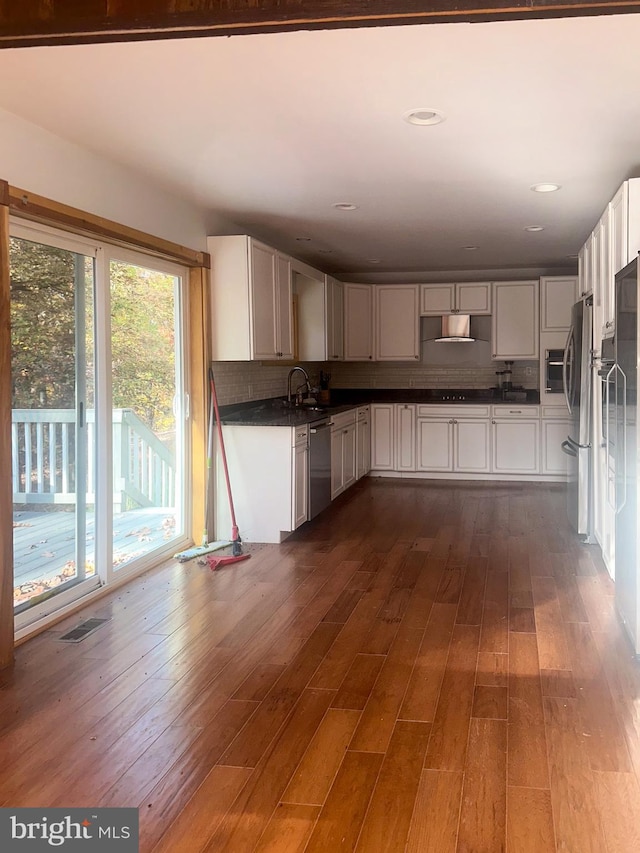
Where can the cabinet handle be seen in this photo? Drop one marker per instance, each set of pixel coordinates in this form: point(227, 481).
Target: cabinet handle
point(455, 422)
point(345, 431)
point(370, 356)
point(451, 422)
point(515, 411)
point(493, 422)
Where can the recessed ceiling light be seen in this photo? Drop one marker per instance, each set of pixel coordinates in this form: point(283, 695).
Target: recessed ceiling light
point(374, 260)
point(470, 248)
point(345, 205)
point(325, 251)
point(534, 228)
point(424, 116)
point(545, 188)
point(303, 239)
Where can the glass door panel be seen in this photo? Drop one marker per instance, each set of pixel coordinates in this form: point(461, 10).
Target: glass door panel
point(147, 416)
point(52, 341)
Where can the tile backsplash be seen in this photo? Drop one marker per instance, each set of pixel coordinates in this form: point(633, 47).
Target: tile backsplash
point(243, 381)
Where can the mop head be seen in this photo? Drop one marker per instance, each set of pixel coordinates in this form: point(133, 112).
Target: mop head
point(200, 551)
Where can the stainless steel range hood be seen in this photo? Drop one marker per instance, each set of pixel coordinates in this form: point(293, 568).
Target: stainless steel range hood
point(455, 329)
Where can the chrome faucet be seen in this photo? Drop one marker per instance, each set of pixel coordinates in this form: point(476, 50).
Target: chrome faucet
point(306, 377)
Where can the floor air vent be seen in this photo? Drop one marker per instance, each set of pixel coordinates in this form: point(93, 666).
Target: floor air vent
point(75, 635)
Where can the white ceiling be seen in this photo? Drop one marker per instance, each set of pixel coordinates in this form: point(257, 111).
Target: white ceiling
point(270, 130)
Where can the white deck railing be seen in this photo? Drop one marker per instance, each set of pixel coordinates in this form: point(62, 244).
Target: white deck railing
point(43, 446)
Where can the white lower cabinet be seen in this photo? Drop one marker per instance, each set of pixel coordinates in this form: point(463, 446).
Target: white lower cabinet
point(435, 444)
point(268, 472)
point(453, 444)
point(405, 445)
point(515, 446)
point(343, 452)
point(382, 437)
point(554, 459)
point(363, 441)
point(300, 466)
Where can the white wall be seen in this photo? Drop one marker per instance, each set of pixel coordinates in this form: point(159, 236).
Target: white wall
point(34, 159)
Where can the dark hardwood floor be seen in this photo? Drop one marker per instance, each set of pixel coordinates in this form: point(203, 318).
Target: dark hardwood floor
point(427, 667)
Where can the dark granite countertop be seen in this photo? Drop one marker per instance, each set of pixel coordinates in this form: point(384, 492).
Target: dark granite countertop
point(273, 412)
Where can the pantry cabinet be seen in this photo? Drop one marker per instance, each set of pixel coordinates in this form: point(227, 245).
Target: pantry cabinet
point(251, 300)
point(515, 320)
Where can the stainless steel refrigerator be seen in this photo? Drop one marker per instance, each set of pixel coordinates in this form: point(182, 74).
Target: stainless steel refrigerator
point(622, 448)
point(576, 380)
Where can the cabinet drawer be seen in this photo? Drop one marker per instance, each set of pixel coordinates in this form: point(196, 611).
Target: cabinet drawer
point(515, 412)
point(554, 412)
point(300, 435)
point(440, 410)
point(343, 419)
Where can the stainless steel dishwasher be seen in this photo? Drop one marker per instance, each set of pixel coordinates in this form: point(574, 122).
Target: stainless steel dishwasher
point(319, 466)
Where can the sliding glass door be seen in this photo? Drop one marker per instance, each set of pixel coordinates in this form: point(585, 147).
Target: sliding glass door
point(147, 410)
point(53, 458)
point(99, 450)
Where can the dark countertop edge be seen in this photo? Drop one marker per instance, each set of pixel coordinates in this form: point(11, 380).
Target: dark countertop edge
point(269, 412)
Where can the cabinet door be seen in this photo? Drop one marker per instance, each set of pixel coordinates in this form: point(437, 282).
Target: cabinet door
point(515, 446)
point(515, 320)
point(472, 446)
point(405, 437)
point(382, 437)
point(284, 310)
point(300, 485)
point(397, 323)
point(554, 460)
point(619, 212)
point(358, 322)
point(557, 297)
point(474, 298)
point(348, 456)
point(435, 444)
point(363, 444)
point(335, 319)
point(263, 301)
point(337, 477)
point(437, 299)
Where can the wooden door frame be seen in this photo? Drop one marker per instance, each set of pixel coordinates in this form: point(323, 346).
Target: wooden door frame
point(37, 208)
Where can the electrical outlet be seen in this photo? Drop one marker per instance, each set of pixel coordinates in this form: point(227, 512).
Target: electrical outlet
point(528, 371)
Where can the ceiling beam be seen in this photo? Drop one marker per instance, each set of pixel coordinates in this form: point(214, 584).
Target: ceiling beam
point(43, 22)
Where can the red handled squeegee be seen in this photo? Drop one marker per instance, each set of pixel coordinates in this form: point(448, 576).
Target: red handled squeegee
point(236, 542)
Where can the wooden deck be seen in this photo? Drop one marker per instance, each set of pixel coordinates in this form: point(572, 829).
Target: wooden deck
point(43, 542)
point(429, 667)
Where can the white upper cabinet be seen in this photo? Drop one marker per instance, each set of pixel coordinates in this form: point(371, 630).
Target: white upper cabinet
point(358, 322)
point(557, 296)
point(625, 224)
point(397, 322)
point(251, 311)
point(335, 319)
point(515, 320)
point(459, 297)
